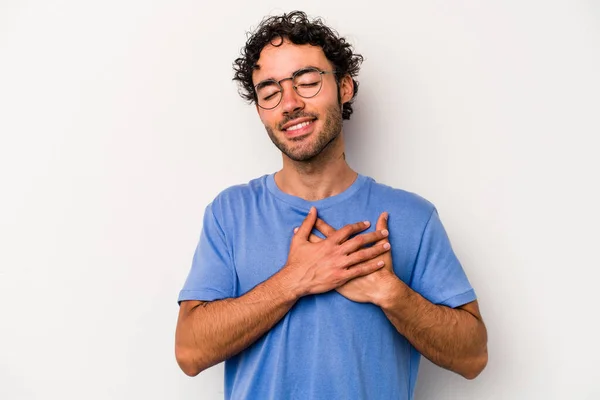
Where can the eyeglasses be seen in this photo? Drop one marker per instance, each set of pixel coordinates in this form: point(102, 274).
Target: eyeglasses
point(307, 82)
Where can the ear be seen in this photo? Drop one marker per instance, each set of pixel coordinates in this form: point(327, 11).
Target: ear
point(346, 89)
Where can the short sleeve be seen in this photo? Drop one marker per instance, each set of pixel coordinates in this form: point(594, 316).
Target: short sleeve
point(211, 276)
point(438, 275)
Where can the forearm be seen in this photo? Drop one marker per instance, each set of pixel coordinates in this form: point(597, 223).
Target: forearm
point(211, 332)
point(454, 339)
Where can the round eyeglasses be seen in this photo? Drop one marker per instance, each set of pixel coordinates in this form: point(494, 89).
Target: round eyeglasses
point(307, 82)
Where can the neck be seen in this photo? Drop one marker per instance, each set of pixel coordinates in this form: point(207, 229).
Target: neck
point(324, 176)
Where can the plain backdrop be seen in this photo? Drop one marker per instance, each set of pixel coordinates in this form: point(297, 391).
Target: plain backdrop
point(119, 122)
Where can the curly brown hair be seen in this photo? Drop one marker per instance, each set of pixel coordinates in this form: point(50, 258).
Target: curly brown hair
point(297, 28)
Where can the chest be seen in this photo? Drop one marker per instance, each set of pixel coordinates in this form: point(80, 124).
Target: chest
point(261, 245)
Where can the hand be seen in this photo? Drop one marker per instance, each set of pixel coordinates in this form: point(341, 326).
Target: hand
point(318, 267)
point(372, 287)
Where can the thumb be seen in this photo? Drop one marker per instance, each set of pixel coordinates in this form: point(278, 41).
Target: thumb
point(306, 228)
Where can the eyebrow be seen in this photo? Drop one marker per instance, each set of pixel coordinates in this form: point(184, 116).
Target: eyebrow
point(271, 79)
point(266, 82)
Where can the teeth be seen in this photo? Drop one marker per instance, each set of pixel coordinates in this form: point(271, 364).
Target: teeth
point(298, 126)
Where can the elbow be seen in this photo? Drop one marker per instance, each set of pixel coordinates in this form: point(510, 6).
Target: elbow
point(186, 362)
point(477, 361)
point(475, 366)
point(189, 370)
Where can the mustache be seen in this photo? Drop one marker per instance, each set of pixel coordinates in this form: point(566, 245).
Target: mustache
point(293, 116)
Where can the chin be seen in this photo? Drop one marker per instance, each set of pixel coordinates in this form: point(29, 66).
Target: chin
point(305, 153)
point(300, 155)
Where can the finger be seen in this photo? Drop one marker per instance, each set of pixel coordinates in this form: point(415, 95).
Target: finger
point(382, 221)
point(364, 268)
point(359, 241)
point(312, 238)
point(323, 227)
point(344, 233)
point(366, 254)
point(307, 225)
point(382, 224)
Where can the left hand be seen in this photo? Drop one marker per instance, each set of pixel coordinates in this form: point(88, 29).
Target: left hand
point(374, 286)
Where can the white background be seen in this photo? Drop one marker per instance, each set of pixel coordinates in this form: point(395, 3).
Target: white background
point(119, 122)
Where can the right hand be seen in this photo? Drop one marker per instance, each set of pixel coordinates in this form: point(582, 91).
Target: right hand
point(328, 264)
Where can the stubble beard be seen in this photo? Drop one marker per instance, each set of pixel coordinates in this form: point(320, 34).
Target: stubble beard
point(331, 130)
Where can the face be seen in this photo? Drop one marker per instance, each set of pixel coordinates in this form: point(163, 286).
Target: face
point(301, 127)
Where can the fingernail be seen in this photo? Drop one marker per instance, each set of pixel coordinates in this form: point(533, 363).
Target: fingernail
point(385, 216)
point(367, 223)
point(295, 230)
point(386, 246)
point(384, 232)
point(380, 263)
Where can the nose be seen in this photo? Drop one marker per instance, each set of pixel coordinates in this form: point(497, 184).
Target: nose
point(290, 102)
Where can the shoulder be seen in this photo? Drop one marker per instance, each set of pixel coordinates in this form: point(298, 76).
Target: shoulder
point(248, 190)
point(401, 201)
point(236, 198)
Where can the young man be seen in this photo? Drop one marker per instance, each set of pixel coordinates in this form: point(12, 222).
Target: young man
point(316, 282)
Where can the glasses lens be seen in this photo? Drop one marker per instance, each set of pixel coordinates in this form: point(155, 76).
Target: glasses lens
point(307, 82)
point(268, 94)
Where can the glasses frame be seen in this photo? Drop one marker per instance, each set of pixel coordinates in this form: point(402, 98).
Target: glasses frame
point(291, 78)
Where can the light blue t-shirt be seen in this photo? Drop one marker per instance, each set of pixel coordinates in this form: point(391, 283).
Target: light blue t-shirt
point(326, 346)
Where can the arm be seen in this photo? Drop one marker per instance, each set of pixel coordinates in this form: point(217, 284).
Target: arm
point(453, 338)
point(210, 332)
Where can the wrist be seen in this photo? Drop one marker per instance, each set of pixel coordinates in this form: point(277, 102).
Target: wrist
point(289, 285)
point(393, 293)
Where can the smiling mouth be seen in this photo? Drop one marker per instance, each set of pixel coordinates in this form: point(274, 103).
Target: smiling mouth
point(298, 126)
point(298, 121)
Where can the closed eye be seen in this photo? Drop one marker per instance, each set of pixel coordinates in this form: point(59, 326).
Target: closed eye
point(308, 84)
point(272, 95)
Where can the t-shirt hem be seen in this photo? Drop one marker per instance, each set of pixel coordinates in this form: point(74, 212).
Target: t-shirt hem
point(460, 299)
point(202, 295)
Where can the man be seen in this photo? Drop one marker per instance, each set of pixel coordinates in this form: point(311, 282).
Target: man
point(294, 283)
